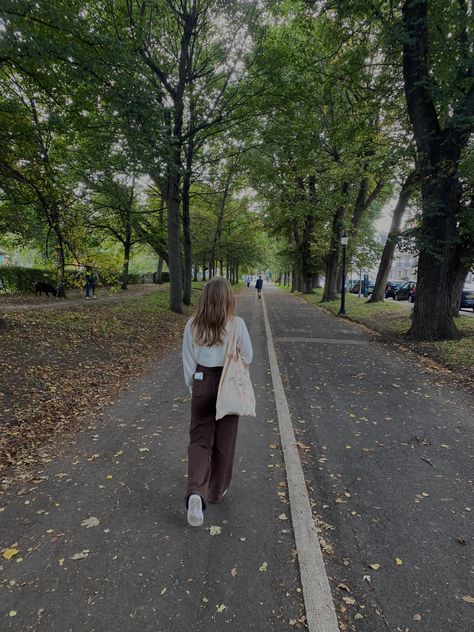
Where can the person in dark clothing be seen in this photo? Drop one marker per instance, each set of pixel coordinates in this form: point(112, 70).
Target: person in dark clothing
point(90, 284)
point(259, 285)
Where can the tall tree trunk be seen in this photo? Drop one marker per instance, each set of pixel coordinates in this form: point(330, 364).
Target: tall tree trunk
point(332, 261)
point(159, 271)
point(174, 245)
point(236, 272)
point(456, 290)
point(60, 254)
point(306, 263)
point(386, 260)
point(203, 269)
point(126, 263)
point(195, 276)
point(441, 258)
point(186, 221)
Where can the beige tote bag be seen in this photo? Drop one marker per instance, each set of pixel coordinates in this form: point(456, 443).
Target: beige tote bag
point(235, 395)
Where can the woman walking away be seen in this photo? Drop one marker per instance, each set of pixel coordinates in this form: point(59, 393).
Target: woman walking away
point(259, 285)
point(211, 443)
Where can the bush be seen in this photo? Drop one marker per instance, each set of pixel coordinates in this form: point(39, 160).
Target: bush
point(14, 279)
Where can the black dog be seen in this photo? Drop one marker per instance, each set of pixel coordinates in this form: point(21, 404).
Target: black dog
point(41, 286)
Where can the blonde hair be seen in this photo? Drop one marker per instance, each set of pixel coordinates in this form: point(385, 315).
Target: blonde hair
point(216, 306)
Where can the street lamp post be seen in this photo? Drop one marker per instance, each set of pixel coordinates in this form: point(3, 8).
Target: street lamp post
point(344, 240)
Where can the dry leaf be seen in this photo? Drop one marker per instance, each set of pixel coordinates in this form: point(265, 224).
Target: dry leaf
point(12, 613)
point(233, 572)
point(215, 530)
point(90, 522)
point(468, 599)
point(80, 556)
point(263, 567)
point(417, 617)
point(398, 561)
point(375, 566)
point(349, 601)
point(221, 608)
point(9, 553)
point(282, 517)
point(144, 449)
point(163, 591)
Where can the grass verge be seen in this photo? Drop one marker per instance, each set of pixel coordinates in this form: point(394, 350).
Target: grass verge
point(392, 321)
point(59, 366)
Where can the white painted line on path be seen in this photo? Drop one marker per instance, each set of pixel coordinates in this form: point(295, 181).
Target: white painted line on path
point(319, 606)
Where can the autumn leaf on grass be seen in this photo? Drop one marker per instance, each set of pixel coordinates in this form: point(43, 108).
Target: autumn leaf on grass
point(263, 567)
point(215, 530)
point(9, 553)
point(90, 522)
point(81, 556)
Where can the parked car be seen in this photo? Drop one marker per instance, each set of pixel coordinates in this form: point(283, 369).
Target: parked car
point(355, 288)
point(406, 292)
point(467, 297)
point(391, 288)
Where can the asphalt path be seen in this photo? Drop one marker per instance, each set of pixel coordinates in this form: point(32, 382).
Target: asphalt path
point(98, 539)
point(387, 453)
point(141, 568)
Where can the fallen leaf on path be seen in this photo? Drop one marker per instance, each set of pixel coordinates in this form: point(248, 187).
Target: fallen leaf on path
point(263, 567)
point(163, 591)
point(468, 599)
point(221, 608)
point(282, 517)
point(12, 613)
point(398, 561)
point(417, 617)
point(233, 572)
point(215, 530)
point(80, 556)
point(375, 566)
point(90, 522)
point(349, 601)
point(144, 449)
point(342, 586)
point(367, 578)
point(9, 553)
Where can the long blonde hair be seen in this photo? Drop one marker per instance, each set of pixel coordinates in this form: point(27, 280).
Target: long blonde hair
point(216, 306)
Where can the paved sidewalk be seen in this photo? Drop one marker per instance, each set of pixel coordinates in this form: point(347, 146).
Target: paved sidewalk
point(142, 568)
point(388, 456)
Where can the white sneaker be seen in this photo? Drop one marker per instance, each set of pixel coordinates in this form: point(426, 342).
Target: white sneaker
point(195, 517)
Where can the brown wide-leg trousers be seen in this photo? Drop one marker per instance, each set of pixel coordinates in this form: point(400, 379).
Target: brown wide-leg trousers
point(211, 443)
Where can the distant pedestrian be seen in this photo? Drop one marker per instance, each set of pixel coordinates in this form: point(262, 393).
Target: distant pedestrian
point(248, 281)
point(90, 284)
point(211, 442)
point(259, 285)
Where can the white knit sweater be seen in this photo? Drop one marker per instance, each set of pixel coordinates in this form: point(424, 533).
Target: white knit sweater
point(194, 354)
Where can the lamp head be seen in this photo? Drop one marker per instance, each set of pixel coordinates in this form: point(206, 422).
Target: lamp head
point(344, 239)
